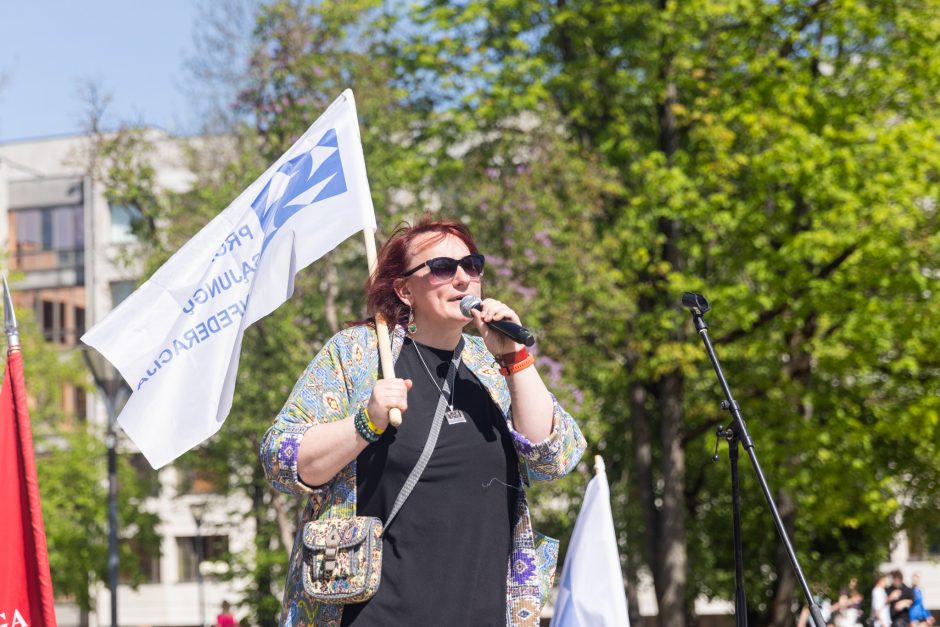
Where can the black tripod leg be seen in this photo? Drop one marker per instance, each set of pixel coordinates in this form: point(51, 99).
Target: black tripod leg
point(740, 600)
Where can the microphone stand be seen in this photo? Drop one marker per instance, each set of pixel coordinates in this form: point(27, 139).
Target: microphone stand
point(737, 433)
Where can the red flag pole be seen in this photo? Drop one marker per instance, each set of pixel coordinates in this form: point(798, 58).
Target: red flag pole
point(25, 581)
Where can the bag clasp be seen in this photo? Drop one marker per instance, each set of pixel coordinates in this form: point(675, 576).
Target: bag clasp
point(329, 554)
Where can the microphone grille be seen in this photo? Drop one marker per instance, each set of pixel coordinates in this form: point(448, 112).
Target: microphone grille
point(468, 303)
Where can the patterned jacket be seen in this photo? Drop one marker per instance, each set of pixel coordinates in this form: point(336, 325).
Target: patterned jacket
point(336, 383)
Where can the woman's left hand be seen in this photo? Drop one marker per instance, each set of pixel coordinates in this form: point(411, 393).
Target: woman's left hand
point(497, 343)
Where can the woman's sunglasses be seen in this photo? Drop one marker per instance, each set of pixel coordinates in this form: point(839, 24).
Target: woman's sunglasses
point(444, 268)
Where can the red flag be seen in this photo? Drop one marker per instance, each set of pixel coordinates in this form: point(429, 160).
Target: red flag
point(25, 582)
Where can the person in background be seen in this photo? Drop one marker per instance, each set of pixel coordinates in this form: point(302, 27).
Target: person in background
point(226, 618)
point(919, 615)
point(855, 598)
point(880, 611)
point(900, 598)
point(849, 606)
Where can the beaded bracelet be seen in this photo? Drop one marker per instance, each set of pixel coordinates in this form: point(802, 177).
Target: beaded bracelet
point(516, 367)
point(365, 427)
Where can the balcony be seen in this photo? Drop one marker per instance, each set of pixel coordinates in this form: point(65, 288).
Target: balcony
point(39, 260)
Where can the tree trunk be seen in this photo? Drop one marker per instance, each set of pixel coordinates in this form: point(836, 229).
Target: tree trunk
point(672, 545)
point(672, 528)
point(785, 587)
point(799, 370)
point(643, 455)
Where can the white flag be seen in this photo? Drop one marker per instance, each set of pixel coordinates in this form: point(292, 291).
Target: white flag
point(177, 339)
point(591, 592)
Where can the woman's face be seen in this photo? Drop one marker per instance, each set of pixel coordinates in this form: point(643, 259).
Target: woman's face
point(437, 301)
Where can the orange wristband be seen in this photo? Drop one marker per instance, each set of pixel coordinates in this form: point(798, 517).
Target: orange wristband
point(514, 357)
point(516, 367)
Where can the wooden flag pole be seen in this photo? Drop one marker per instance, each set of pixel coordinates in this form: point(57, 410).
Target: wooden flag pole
point(381, 329)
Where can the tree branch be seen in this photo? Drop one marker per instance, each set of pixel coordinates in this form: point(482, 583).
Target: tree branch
point(786, 49)
point(698, 430)
point(771, 314)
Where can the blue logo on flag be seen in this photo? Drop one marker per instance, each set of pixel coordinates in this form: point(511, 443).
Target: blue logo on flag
point(273, 212)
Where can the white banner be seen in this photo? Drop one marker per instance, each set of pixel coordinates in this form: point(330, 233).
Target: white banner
point(591, 592)
point(177, 339)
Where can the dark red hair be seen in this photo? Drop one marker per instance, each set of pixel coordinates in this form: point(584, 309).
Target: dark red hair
point(392, 262)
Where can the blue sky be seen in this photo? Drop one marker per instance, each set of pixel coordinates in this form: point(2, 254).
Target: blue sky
point(134, 50)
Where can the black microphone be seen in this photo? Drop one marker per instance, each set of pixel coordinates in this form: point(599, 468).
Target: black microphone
point(516, 333)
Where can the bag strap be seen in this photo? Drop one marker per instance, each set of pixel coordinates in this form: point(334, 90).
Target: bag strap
point(431, 442)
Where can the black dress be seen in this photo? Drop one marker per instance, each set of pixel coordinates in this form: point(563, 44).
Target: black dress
point(445, 556)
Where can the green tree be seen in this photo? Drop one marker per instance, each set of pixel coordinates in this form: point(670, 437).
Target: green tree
point(782, 158)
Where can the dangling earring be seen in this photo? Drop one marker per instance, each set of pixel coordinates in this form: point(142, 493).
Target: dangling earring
point(412, 327)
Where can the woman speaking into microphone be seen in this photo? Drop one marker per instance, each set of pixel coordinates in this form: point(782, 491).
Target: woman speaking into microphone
point(456, 545)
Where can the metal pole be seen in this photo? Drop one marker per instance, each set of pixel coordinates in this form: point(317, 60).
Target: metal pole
point(113, 556)
point(740, 599)
point(108, 382)
point(199, 581)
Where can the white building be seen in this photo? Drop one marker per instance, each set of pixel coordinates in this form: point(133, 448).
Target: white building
point(64, 246)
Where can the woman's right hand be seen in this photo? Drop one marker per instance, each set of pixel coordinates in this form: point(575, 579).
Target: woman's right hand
point(386, 394)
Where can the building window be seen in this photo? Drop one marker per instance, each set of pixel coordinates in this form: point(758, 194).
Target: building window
point(54, 324)
point(923, 536)
point(149, 564)
point(121, 290)
point(59, 312)
point(214, 551)
point(79, 322)
point(123, 218)
point(61, 331)
point(48, 238)
point(73, 405)
point(81, 404)
point(47, 319)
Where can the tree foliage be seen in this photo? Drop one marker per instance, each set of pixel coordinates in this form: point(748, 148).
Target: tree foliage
point(780, 157)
